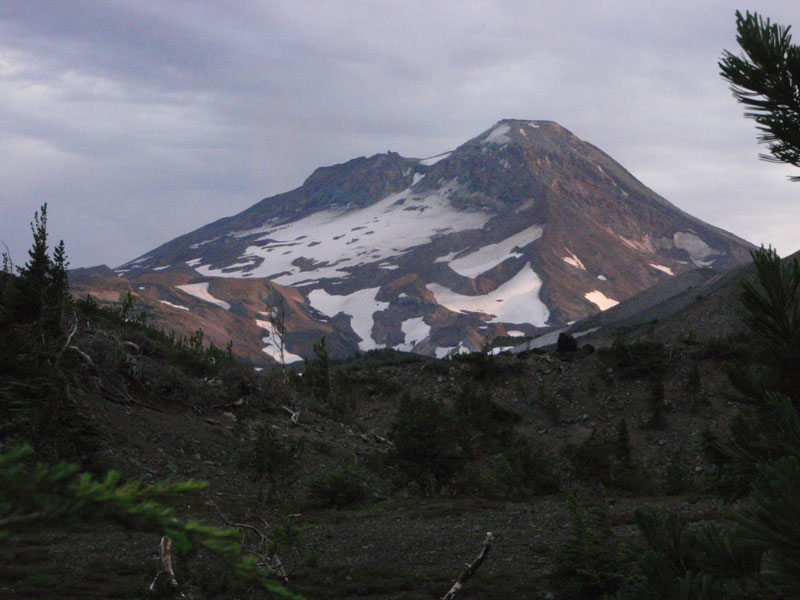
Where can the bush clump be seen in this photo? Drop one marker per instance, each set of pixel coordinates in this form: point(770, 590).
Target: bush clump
point(341, 488)
point(605, 459)
point(427, 443)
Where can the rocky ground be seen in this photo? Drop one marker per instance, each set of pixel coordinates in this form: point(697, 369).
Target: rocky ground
point(395, 543)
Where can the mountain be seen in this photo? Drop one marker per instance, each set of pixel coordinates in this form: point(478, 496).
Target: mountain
point(520, 230)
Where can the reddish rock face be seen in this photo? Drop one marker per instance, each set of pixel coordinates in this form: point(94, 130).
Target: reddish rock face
point(521, 229)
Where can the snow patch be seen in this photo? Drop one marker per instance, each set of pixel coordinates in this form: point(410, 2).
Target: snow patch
point(498, 135)
point(203, 243)
point(533, 124)
point(137, 261)
point(414, 331)
point(573, 260)
point(174, 305)
point(272, 349)
point(434, 159)
point(200, 290)
point(500, 349)
point(599, 299)
point(602, 278)
point(443, 351)
point(526, 205)
point(194, 262)
point(488, 257)
point(515, 333)
point(644, 246)
point(666, 270)
point(447, 257)
point(162, 268)
point(399, 222)
point(417, 178)
point(360, 306)
point(515, 301)
point(698, 251)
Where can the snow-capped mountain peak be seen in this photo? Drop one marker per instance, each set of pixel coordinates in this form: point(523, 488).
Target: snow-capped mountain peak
point(522, 228)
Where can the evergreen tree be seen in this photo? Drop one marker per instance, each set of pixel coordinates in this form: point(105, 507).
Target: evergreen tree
point(756, 553)
point(766, 79)
point(25, 300)
point(59, 495)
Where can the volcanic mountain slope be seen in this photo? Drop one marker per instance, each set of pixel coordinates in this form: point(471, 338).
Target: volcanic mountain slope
point(521, 229)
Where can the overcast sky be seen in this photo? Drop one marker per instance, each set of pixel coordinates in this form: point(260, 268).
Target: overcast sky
point(140, 121)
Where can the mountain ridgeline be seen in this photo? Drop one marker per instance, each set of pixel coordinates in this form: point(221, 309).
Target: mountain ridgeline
point(520, 230)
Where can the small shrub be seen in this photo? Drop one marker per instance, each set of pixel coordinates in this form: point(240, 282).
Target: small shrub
point(636, 360)
point(317, 374)
point(427, 443)
point(602, 459)
point(343, 487)
point(592, 560)
point(694, 381)
point(272, 462)
point(525, 470)
point(678, 479)
point(549, 403)
point(656, 419)
point(479, 414)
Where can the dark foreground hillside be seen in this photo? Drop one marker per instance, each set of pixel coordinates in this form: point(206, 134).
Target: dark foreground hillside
point(377, 477)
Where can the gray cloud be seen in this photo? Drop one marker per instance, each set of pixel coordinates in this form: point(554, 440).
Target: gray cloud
point(138, 122)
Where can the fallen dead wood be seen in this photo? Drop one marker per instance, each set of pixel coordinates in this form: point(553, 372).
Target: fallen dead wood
point(266, 558)
point(86, 358)
point(294, 415)
point(470, 570)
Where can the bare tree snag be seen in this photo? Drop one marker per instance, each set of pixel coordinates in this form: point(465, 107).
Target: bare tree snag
point(294, 416)
point(166, 564)
point(276, 315)
point(470, 570)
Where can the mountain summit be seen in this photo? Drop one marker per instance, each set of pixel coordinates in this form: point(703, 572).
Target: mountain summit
point(521, 229)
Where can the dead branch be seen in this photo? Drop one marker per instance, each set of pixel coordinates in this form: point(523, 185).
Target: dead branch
point(71, 333)
point(235, 404)
point(382, 440)
point(294, 415)
point(86, 358)
point(269, 560)
point(134, 347)
point(470, 570)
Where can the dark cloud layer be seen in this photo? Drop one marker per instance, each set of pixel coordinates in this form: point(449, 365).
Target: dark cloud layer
point(138, 122)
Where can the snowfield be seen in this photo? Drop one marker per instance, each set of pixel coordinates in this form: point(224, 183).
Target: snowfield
point(573, 260)
point(699, 252)
point(324, 244)
point(515, 301)
point(600, 300)
point(178, 306)
point(428, 162)
point(666, 270)
point(415, 330)
point(498, 135)
point(359, 306)
point(488, 257)
point(200, 290)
